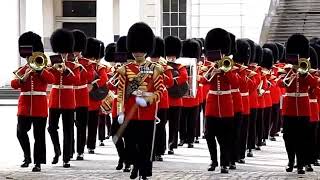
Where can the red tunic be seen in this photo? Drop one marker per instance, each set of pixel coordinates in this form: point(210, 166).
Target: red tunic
point(236, 96)
point(244, 85)
point(62, 95)
point(101, 71)
point(314, 106)
point(298, 104)
point(182, 78)
point(168, 82)
point(219, 101)
point(31, 104)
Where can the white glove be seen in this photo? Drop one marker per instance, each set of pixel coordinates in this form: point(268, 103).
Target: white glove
point(141, 102)
point(121, 118)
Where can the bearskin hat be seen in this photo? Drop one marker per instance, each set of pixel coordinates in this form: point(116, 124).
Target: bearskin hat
point(218, 39)
point(253, 50)
point(62, 41)
point(298, 44)
point(273, 47)
point(173, 46)
point(258, 54)
point(313, 58)
point(80, 40)
point(315, 43)
point(140, 38)
point(109, 52)
point(243, 52)
point(281, 51)
point(102, 49)
point(158, 49)
point(191, 49)
point(30, 39)
point(233, 43)
point(93, 48)
point(267, 58)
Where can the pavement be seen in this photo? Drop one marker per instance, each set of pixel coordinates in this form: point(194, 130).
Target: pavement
point(269, 163)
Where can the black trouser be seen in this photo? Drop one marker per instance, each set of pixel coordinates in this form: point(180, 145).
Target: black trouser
point(318, 141)
point(252, 129)
point(174, 119)
point(204, 117)
point(235, 136)
point(140, 134)
point(104, 120)
point(295, 135)
point(259, 127)
point(311, 139)
point(219, 128)
point(67, 123)
point(198, 122)
point(243, 136)
point(121, 144)
point(188, 124)
point(81, 124)
point(160, 141)
point(72, 150)
point(39, 134)
point(92, 129)
point(267, 122)
point(275, 118)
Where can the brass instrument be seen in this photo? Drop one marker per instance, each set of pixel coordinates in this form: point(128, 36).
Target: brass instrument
point(225, 64)
point(304, 65)
point(289, 78)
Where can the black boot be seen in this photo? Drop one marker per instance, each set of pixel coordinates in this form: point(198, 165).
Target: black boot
point(241, 161)
point(197, 140)
point(309, 168)
point(233, 166)
point(37, 168)
point(26, 163)
point(171, 151)
point(55, 159)
point(300, 170)
point(212, 167)
point(316, 163)
point(190, 145)
point(127, 168)
point(80, 157)
point(289, 168)
point(134, 173)
point(250, 154)
point(143, 178)
point(66, 164)
point(120, 165)
point(224, 169)
point(181, 143)
point(272, 138)
point(101, 143)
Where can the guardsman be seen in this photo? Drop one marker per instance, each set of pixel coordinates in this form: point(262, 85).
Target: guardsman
point(32, 80)
point(296, 106)
point(81, 91)
point(190, 49)
point(180, 76)
point(94, 52)
point(139, 91)
point(160, 140)
point(219, 104)
point(62, 96)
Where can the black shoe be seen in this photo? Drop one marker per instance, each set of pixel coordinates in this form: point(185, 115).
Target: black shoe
point(171, 151)
point(143, 178)
point(289, 168)
point(211, 168)
point(264, 143)
point(158, 158)
point(80, 157)
point(55, 159)
point(101, 143)
point(258, 148)
point(91, 151)
point(25, 163)
point(233, 167)
point(127, 168)
point(301, 171)
point(181, 143)
point(190, 145)
point(134, 173)
point(224, 169)
point(108, 137)
point(309, 168)
point(66, 165)
point(119, 166)
point(250, 154)
point(36, 168)
point(273, 138)
point(316, 163)
point(197, 141)
point(276, 134)
point(241, 161)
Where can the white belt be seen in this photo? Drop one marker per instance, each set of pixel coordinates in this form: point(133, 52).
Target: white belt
point(313, 100)
point(297, 94)
point(142, 93)
point(245, 94)
point(80, 87)
point(62, 86)
point(200, 85)
point(267, 92)
point(33, 93)
point(219, 92)
point(234, 90)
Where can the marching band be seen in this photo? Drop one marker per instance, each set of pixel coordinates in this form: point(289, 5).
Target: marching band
point(244, 93)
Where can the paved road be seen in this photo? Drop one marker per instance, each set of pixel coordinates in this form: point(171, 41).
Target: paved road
point(185, 164)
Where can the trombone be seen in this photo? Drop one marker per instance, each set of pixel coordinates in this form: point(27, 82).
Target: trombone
point(303, 67)
point(225, 64)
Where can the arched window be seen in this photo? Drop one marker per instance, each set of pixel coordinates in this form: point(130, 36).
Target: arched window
point(174, 19)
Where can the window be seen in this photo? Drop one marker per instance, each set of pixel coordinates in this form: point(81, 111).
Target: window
point(79, 15)
point(174, 19)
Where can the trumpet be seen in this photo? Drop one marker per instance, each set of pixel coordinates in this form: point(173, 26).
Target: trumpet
point(225, 64)
point(289, 78)
point(304, 66)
